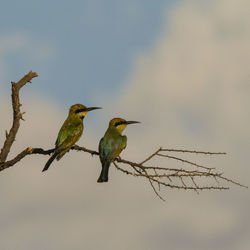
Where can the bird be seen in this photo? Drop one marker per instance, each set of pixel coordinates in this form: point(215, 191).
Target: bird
point(70, 132)
point(112, 144)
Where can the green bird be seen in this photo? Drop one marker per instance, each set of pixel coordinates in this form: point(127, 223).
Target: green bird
point(70, 131)
point(112, 144)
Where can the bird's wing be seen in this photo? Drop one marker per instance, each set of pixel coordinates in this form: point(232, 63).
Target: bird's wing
point(110, 148)
point(68, 135)
point(102, 151)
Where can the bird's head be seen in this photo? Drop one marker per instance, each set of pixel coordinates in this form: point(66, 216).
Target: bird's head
point(80, 110)
point(120, 124)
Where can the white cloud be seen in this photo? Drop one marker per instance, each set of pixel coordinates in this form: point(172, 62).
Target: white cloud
point(197, 74)
point(191, 91)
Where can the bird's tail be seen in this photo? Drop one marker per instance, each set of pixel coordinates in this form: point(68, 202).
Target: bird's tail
point(52, 158)
point(105, 172)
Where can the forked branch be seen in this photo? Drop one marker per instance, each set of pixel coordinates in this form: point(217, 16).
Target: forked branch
point(196, 177)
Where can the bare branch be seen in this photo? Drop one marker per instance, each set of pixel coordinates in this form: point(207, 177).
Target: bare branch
point(193, 151)
point(17, 114)
point(151, 156)
point(182, 160)
point(190, 178)
point(168, 173)
point(140, 170)
point(146, 175)
point(20, 156)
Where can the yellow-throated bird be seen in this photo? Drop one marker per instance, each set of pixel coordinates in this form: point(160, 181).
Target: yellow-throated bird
point(112, 144)
point(70, 131)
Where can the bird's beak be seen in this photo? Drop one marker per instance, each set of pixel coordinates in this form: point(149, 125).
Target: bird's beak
point(92, 108)
point(131, 122)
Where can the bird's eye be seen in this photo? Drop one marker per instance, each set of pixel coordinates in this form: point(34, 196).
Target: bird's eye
point(79, 111)
point(119, 123)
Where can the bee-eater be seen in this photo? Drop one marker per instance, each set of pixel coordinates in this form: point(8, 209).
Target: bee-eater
point(70, 131)
point(112, 144)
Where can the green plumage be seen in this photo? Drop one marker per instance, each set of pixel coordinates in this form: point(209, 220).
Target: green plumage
point(112, 144)
point(68, 135)
point(70, 132)
point(110, 147)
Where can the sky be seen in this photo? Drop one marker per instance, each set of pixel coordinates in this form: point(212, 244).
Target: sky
point(179, 67)
point(93, 41)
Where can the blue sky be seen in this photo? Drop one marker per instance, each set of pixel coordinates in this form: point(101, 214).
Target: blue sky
point(89, 46)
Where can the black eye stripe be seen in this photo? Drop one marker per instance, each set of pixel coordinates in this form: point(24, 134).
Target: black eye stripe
point(79, 111)
point(119, 123)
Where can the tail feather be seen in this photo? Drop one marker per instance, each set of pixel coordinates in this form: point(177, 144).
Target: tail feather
point(105, 172)
point(61, 154)
point(52, 158)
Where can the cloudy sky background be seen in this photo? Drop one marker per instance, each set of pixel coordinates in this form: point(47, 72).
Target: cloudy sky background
point(181, 68)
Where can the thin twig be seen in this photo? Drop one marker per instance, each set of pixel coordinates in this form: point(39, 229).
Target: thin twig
point(183, 160)
point(151, 156)
point(193, 151)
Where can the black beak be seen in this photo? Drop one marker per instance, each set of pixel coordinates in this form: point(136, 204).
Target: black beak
point(92, 108)
point(131, 122)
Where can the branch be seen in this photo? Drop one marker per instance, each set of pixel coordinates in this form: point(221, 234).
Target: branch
point(17, 114)
point(164, 178)
point(193, 151)
point(191, 177)
point(25, 152)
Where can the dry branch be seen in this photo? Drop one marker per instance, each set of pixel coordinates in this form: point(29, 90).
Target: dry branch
point(17, 114)
point(161, 176)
